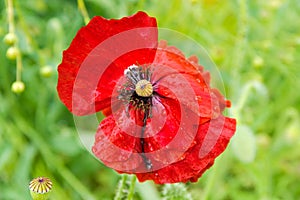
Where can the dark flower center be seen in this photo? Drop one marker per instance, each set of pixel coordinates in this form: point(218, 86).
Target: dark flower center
point(137, 93)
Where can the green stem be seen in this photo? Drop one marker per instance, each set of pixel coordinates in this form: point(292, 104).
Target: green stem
point(126, 187)
point(10, 16)
point(131, 188)
point(19, 67)
point(82, 8)
point(32, 43)
point(246, 91)
point(11, 27)
point(210, 183)
point(121, 187)
point(243, 98)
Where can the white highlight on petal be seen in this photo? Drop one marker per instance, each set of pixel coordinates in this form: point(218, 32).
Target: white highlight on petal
point(131, 67)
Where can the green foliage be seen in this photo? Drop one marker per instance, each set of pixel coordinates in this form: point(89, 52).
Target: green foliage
point(175, 191)
point(254, 43)
point(125, 188)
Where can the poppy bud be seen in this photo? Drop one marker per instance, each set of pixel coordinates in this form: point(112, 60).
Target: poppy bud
point(10, 39)
point(40, 188)
point(12, 53)
point(18, 87)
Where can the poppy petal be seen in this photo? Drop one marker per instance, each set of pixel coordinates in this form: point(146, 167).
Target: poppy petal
point(114, 147)
point(173, 73)
point(98, 56)
point(168, 135)
point(194, 164)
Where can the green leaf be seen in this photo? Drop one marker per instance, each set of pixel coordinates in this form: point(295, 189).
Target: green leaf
point(5, 155)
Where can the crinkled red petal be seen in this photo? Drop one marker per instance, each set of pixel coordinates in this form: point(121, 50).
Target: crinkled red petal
point(211, 140)
point(114, 147)
point(169, 133)
point(97, 57)
point(176, 74)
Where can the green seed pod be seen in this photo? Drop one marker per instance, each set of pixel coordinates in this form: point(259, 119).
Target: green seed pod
point(18, 87)
point(10, 39)
point(40, 188)
point(12, 53)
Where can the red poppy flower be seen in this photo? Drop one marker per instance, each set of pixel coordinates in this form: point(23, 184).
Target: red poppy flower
point(163, 120)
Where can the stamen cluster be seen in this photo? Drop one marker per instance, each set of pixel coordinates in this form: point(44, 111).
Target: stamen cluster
point(137, 91)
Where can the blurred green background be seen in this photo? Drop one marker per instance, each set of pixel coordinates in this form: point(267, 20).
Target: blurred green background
point(256, 46)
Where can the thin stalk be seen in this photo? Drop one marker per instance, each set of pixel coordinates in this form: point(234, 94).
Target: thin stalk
point(10, 16)
point(126, 187)
point(121, 187)
point(131, 188)
point(11, 29)
point(210, 183)
point(82, 8)
point(19, 67)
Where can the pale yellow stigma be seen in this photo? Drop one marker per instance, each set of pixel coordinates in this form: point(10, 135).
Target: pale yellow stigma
point(144, 88)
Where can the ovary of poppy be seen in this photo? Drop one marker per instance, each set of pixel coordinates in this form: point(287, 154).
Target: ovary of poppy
point(163, 120)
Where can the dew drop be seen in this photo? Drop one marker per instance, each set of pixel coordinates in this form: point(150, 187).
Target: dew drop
point(197, 98)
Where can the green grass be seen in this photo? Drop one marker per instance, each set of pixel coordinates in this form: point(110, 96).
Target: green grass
point(255, 44)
